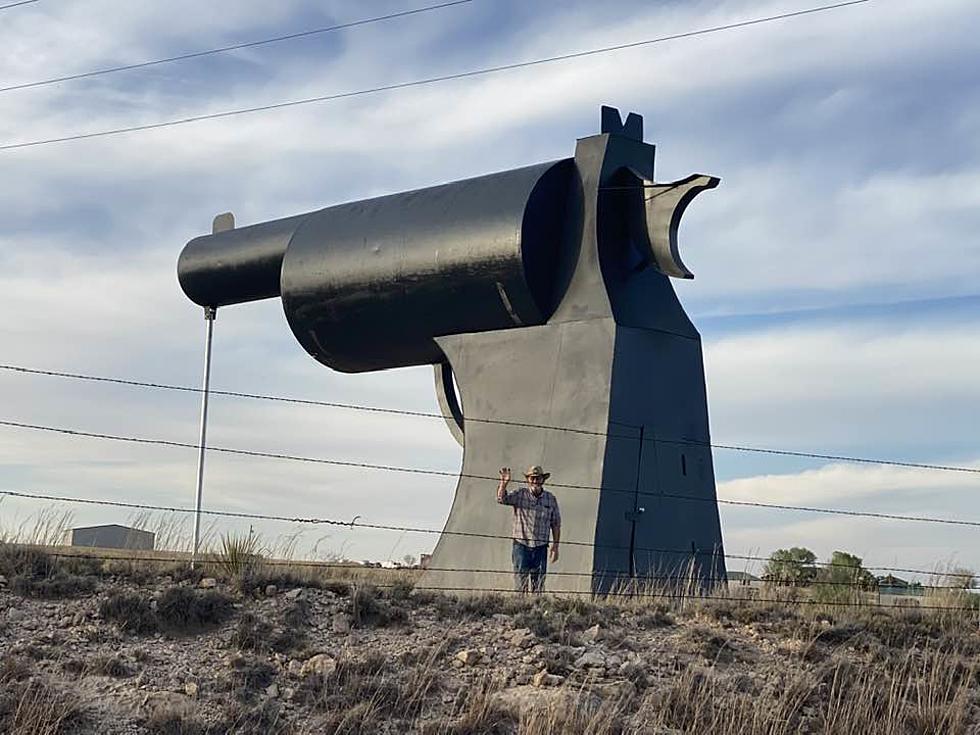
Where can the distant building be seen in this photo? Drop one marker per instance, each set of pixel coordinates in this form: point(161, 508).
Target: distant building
point(744, 579)
point(424, 560)
point(111, 536)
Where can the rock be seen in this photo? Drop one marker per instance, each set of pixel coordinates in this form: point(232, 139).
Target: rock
point(340, 624)
point(288, 693)
point(520, 638)
point(208, 583)
point(65, 622)
point(168, 704)
point(617, 690)
point(468, 656)
point(3, 581)
point(191, 689)
point(272, 690)
point(614, 661)
point(321, 664)
point(591, 635)
point(590, 659)
point(523, 699)
point(294, 594)
point(544, 679)
point(270, 590)
point(14, 615)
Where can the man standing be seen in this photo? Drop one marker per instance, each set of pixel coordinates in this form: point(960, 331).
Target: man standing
point(535, 514)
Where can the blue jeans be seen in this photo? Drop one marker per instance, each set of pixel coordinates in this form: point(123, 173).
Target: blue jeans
point(530, 566)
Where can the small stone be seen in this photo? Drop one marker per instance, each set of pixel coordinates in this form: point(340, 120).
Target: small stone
point(294, 594)
point(208, 583)
point(191, 689)
point(288, 693)
point(544, 679)
point(590, 659)
point(3, 581)
point(591, 635)
point(468, 656)
point(66, 621)
point(321, 664)
point(270, 590)
point(340, 624)
point(14, 615)
point(272, 690)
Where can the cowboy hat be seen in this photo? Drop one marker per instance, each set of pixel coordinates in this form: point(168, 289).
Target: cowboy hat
point(536, 471)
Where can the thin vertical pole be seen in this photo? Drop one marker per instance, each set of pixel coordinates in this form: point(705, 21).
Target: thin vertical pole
point(210, 313)
point(636, 507)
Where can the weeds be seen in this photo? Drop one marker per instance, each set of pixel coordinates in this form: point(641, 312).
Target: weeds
point(178, 610)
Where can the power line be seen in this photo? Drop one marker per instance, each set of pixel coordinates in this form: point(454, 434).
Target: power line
point(224, 49)
point(423, 414)
point(422, 82)
point(446, 473)
point(14, 5)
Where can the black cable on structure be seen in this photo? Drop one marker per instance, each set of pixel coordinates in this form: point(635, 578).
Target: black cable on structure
point(424, 414)
point(224, 49)
point(421, 82)
point(446, 473)
point(412, 529)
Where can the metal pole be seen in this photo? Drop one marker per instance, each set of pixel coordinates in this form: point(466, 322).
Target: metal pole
point(210, 313)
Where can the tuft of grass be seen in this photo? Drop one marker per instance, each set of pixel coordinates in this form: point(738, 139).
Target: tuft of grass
point(239, 559)
point(368, 609)
point(178, 610)
point(252, 633)
point(33, 573)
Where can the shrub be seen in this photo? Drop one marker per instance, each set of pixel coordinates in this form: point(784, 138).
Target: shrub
point(183, 610)
point(132, 613)
point(178, 610)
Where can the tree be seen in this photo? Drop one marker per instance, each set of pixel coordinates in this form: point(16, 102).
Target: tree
point(793, 566)
point(843, 579)
point(409, 560)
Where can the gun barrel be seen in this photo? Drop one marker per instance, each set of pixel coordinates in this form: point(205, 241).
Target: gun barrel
point(237, 265)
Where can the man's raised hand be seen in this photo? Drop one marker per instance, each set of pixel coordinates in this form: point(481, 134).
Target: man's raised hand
point(505, 475)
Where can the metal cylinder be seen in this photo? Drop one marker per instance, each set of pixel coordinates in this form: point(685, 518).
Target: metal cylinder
point(368, 285)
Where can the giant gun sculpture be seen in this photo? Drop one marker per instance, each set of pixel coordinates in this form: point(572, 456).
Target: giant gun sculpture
point(543, 293)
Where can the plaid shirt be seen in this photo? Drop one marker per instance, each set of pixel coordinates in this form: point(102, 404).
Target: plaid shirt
point(534, 517)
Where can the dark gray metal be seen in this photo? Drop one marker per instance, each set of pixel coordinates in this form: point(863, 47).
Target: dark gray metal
point(111, 536)
point(545, 292)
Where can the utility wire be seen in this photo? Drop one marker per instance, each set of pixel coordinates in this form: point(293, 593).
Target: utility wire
point(14, 5)
point(224, 49)
point(374, 526)
point(422, 82)
point(446, 473)
point(616, 577)
point(423, 414)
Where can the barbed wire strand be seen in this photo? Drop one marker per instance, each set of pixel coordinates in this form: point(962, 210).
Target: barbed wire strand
point(458, 475)
point(641, 593)
point(224, 49)
point(214, 558)
point(423, 414)
point(422, 82)
point(412, 529)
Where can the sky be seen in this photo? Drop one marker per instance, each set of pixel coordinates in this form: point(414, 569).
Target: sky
point(835, 266)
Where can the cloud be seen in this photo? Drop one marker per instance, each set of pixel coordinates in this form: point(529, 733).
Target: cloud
point(847, 144)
